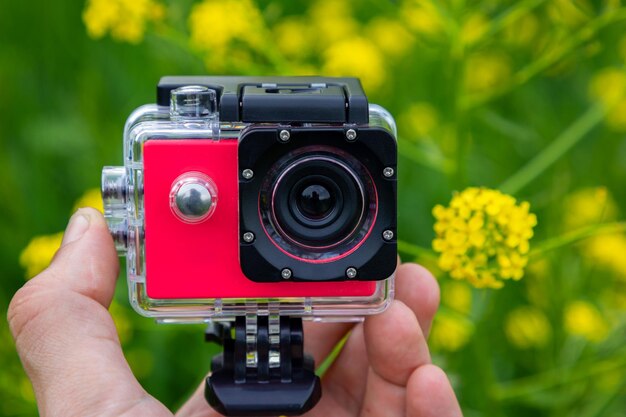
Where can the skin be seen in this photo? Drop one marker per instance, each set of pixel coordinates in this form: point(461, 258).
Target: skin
point(69, 346)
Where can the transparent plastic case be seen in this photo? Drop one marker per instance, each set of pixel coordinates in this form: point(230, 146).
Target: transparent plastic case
point(125, 212)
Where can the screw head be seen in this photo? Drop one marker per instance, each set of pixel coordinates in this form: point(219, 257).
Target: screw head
point(284, 135)
point(351, 272)
point(248, 237)
point(388, 172)
point(351, 134)
point(388, 235)
point(286, 273)
point(247, 173)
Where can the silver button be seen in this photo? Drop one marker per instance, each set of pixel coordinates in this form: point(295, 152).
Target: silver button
point(193, 200)
point(193, 197)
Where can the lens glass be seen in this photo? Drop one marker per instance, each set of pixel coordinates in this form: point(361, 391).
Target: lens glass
point(317, 203)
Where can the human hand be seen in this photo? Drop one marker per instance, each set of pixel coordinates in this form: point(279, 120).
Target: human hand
point(70, 350)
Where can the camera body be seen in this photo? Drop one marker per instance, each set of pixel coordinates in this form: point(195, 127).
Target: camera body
point(256, 195)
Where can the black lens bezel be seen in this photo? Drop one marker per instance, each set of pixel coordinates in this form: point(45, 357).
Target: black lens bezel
point(261, 260)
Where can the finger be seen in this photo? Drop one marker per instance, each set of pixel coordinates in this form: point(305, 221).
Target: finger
point(419, 290)
point(395, 347)
point(429, 394)
point(395, 344)
point(415, 286)
point(382, 398)
point(391, 341)
point(321, 338)
point(86, 263)
point(64, 334)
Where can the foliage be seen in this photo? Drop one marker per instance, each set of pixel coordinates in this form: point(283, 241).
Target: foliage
point(526, 97)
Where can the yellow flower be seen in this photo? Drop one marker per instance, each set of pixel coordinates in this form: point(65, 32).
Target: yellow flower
point(473, 29)
point(125, 20)
point(527, 327)
point(608, 86)
point(583, 319)
point(423, 17)
point(486, 71)
point(483, 237)
point(293, 37)
point(450, 332)
point(609, 252)
point(332, 21)
point(91, 198)
point(390, 36)
point(457, 296)
point(215, 24)
point(36, 256)
point(420, 120)
point(616, 117)
point(588, 206)
point(358, 57)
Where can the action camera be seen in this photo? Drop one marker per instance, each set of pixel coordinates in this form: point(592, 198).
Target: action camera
point(251, 203)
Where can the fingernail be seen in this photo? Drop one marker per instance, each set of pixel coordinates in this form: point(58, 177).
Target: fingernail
point(78, 225)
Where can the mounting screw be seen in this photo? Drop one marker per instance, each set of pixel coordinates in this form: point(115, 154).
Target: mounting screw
point(248, 237)
point(285, 273)
point(388, 234)
point(284, 135)
point(351, 272)
point(388, 172)
point(351, 134)
point(247, 173)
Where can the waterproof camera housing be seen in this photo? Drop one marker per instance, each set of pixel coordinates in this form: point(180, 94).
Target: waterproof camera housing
point(256, 195)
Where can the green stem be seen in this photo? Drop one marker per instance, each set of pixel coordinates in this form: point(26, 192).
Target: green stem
point(541, 382)
point(417, 251)
point(175, 37)
point(602, 403)
point(332, 357)
point(577, 235)
point(426, 158)
point(559, 147)
point(513, 13)
point(549, 59)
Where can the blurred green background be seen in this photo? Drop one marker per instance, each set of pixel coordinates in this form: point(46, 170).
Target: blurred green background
point(527, 97)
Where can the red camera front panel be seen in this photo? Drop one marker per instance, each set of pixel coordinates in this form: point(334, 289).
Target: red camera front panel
point(202, 260)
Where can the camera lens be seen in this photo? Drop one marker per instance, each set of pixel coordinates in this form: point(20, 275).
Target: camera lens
point(315, 201)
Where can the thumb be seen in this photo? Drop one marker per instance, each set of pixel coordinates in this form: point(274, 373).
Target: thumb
point(64, 334)
point(86, 263)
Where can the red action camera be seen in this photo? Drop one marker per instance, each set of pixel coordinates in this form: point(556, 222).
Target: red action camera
point(278, 192)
